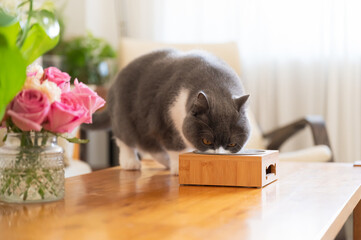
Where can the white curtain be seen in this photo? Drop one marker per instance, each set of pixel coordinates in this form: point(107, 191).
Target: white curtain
point(298, 57)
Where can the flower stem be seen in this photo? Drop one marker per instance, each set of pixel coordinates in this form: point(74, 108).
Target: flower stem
point(27, 26)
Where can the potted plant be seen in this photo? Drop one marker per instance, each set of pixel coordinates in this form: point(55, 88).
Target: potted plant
point(87, 58)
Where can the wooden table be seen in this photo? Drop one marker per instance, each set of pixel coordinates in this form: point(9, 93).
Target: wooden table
point(309, 201)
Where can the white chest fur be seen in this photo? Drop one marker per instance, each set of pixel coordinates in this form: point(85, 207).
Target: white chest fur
point(178, 113)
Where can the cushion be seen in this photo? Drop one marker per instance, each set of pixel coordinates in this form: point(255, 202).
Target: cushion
point(319, 153)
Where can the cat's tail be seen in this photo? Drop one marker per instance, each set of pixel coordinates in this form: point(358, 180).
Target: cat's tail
point(100, 121)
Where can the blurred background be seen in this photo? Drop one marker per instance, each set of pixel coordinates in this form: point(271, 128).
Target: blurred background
point(298, 57)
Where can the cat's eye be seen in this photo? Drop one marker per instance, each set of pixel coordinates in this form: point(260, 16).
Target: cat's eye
point(232, 145)
point(206, 141)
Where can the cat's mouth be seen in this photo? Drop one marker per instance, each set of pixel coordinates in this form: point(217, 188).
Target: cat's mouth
point(242, 152)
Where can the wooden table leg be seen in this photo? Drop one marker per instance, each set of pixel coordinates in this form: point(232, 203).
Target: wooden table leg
point(357, 221)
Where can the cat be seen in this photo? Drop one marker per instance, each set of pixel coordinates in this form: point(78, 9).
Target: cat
point(168, 102)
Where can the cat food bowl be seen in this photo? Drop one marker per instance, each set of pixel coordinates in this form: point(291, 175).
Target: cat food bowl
point(243, 152)
point(248, 168)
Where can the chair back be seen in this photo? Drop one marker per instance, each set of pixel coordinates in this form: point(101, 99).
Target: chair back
point(130, 49)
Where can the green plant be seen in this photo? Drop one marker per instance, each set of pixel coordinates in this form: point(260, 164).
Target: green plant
point(25, 34)
point(85, 58)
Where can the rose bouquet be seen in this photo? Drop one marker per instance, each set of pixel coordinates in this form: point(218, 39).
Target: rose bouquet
point(48, 104)
point(46, 108)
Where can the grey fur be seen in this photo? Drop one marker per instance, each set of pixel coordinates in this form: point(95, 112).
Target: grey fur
point(140, 99)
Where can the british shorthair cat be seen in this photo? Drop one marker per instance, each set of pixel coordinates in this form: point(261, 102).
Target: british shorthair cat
point(168, 102)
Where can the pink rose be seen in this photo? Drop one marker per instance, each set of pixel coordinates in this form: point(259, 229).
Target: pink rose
point(90, 99)
point(66, 115)
point(61, 79)
point(29, 109)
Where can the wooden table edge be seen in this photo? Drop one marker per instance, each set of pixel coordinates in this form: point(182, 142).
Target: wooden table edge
point(352, 206)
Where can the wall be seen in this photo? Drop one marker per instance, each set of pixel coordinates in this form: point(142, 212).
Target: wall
point(98, 17)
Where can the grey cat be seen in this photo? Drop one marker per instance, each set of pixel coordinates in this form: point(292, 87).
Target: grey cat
point(167, 102)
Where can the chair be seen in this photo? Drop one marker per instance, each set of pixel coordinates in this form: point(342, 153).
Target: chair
point(130, 49)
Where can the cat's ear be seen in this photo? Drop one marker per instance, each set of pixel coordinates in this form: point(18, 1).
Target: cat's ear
point(241, 102)
point(201, 104)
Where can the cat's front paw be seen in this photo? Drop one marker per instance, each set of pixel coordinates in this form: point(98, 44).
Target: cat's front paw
point(174, 162)
point(174, 171)
point(131, 165)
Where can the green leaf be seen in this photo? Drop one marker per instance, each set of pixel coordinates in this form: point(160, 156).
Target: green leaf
point(10, 33)
point(25, 195)
point(37, 43)
point(107, 52)
point(41, 192)
point(3, 40)
point(12, 75)
point(28, 181)
point(23, 3)
point(6, 18)
point(7, 184)
point(5, 137)
point(77, 140)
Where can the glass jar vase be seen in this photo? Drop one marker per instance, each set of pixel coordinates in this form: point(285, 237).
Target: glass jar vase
point(31, 168)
